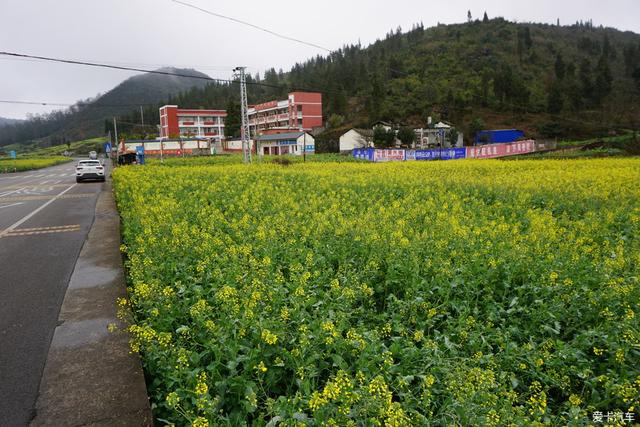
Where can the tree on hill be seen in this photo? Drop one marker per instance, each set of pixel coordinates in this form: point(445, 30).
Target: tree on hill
point(406, 135)
point(233, 121)
point(485, 18)
point(636, 78)
point(560, 67)
point(477, 124)
point(469, 17)
point(379, 136)
point(586, 81)
point(604, 80)
point(555, 101)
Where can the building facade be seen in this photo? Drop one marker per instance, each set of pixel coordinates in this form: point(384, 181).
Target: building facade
point(356, 138)
point(176, 122)
point(294, 143)
point(300, 111)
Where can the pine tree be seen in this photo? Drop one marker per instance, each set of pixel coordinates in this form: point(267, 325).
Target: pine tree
point(560, 67)
point(528, 42)
point(485, 19)
point(604, 80)
point(469, 17)
point(555, 99)
point(586, 80)
point(233, 120)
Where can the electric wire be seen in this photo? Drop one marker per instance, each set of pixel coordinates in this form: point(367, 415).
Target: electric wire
point(248, 24)
point(165, 73)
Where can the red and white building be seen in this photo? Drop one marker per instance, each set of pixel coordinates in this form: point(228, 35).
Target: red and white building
point(301, 111)
point(176, 122)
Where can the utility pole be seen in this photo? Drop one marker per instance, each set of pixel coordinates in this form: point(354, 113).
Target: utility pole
point(115, 129)
point(142, 117)
point(245, 132)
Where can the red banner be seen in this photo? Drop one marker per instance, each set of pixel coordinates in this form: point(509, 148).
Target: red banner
point(388, 155)
point(491, 151)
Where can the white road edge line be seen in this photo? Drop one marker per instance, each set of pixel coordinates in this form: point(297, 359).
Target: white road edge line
point(28, 216)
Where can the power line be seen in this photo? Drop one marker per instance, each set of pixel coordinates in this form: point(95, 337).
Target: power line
point(116, 67)
point(164, 73)
point(93, 104)
point(51, 104)
point(248, 24)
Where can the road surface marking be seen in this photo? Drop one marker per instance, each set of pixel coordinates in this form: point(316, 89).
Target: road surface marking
point(8, 206)
point(16, 233)
point(28, 216)
point(55, 227)
point(11, 192)
point(45, 197)
point(34, 187)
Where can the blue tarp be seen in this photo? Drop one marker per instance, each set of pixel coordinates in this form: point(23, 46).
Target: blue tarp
point(498, 136)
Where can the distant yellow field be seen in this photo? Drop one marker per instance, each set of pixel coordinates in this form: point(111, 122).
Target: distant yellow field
point(17, 165)
point(435, 293)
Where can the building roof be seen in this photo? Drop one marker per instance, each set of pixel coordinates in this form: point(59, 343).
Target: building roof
point(280, 136)
point(365, 132)
point(442, 125)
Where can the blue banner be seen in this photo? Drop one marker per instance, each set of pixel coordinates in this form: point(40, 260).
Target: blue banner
point(363, 153)
point(433, 154)
point(441, 154)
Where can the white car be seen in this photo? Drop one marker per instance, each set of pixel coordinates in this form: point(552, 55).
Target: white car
point(89, 169)
point(93, 155)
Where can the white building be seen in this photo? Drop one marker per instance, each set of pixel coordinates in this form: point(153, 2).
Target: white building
point(235, 145)
point(438, 136)
point(296, 143)
point(356, 138)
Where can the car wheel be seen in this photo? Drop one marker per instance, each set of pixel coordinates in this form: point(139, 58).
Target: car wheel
point(78, 180)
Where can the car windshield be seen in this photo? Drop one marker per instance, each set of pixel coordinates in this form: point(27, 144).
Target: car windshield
point(89, 163)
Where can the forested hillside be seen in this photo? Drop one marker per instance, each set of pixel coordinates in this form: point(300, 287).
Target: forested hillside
point(86, 118)
point(549, 80)
point(6, 121)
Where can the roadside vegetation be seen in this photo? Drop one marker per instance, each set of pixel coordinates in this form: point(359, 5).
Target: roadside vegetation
point(230, 159)
point(437, 293)
point(75, 148)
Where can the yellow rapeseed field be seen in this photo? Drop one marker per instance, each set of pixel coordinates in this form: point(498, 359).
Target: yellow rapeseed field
point(17, 165)
point(343, 294)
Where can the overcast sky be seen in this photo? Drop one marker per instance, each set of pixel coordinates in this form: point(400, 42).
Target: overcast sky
point(153, 33)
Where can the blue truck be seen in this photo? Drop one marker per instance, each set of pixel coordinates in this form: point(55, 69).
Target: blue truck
point(498, 136)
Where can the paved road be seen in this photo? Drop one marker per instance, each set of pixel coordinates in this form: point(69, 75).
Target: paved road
point(44, 220)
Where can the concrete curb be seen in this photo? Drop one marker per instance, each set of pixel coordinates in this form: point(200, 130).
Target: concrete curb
point(90, 377)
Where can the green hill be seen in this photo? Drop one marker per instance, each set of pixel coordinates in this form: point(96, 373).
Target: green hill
point(6, 121)
point(568, 81)
point(549, 80)
point(86, 119)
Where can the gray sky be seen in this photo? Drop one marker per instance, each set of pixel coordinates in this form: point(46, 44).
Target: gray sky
point(153, 33)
